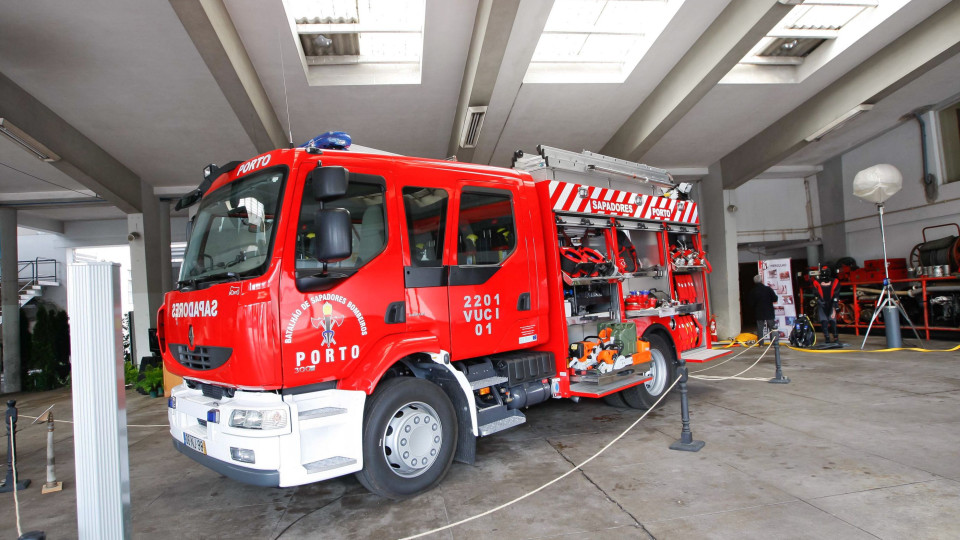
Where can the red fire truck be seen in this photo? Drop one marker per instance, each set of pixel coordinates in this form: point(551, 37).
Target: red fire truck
point(345, 312)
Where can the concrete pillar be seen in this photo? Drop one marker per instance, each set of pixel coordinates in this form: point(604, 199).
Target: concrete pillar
point(146, 270)
point(720, 231)
point(813, 255)
point(99, 408)
point(830, 192)
point(10, 300)
point(166, 267)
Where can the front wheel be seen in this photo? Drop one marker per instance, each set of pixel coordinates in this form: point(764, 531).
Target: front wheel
point(663, 370)
point(409, 435)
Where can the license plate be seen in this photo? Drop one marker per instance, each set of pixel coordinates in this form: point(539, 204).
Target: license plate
point(195, 443)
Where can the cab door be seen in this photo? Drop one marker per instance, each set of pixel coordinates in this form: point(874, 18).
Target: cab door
point(490, 282)
point(426, 206)
point(331, 315)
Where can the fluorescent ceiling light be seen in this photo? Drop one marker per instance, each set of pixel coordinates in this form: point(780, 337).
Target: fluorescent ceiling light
point(27, 142)
point(839, 122)
point(597, 40)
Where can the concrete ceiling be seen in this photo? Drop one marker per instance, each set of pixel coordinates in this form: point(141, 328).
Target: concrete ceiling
point(162, 96)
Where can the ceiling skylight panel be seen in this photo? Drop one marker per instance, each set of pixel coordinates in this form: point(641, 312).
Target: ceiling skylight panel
point(806, 27)
point(359, 41)
point(817, 17)
point(598, 41)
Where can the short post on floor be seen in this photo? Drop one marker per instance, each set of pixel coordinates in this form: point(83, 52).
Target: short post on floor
point(51, 486)
point(779, 378)
point(12, 481)
point(686, 442)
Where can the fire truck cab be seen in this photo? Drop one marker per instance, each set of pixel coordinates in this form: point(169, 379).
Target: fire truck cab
point(342, 312)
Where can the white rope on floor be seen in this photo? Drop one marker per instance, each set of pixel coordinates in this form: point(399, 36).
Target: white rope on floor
point(734, 357)
point(128, 425)
point(13, 465)
point(551, 482)
point(736, 376)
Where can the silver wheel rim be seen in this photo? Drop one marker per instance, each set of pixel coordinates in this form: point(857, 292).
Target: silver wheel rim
point(412, 439)
point(658, 372)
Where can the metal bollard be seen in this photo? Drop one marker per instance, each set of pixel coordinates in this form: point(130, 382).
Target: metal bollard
point(52, 485)
point(686, 442)
point(779, 379)
point(10, 420)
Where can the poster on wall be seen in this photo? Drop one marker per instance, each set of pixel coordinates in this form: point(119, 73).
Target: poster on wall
point(776, 275)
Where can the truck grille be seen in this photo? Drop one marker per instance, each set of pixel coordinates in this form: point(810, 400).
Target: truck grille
point(215, 392)
point(201, 358)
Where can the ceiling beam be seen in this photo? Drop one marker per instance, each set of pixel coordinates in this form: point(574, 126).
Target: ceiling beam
point(39, 223)
point(81, 158)
point(491, 31)
point(731, 36)
point(501, 48)
point(208, 24)
point(908, 57)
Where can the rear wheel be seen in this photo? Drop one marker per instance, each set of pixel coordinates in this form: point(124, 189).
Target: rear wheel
point(615, 400)
point(663, 370)
point(409, 435)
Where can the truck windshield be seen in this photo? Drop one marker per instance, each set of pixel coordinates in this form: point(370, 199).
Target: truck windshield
point(233, 230)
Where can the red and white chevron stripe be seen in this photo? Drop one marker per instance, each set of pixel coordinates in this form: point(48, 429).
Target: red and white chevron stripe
point(565, 197)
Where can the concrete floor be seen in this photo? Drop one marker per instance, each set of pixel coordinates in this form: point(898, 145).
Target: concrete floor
point(859, 445)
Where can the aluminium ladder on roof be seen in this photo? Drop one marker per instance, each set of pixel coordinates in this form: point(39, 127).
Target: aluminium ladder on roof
point(590, 168)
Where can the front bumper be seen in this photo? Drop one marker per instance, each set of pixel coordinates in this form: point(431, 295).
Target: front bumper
point(246, 475)
point(320, 439)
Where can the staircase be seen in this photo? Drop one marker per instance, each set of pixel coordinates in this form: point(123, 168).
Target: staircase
point(32, 277)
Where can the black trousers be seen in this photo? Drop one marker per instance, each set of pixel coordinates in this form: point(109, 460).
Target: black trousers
point(770, 324)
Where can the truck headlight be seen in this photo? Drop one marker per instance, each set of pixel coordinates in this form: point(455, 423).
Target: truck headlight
point(257, 419)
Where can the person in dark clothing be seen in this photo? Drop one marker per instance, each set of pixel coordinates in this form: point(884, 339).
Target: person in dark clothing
point(762, 298)
point(827, 290)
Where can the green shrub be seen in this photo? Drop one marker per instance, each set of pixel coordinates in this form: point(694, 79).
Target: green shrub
point(49, 350)
point(152, 379)
point(130, 373)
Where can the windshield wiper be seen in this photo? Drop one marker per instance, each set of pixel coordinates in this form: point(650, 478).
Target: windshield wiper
point(240, 258)
point(226, 276)
point(184, 282)
point(212, 278)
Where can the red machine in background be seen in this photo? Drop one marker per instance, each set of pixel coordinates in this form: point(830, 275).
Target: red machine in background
point(927, 283)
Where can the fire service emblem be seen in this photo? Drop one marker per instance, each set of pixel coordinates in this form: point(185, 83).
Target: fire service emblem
point(328, 320)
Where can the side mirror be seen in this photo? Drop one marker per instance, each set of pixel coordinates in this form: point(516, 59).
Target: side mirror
point(329, 183)
point(333, 235)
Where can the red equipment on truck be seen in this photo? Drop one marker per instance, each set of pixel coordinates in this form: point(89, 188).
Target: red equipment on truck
point(342, 312)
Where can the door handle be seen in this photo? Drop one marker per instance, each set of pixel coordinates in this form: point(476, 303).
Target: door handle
point(396, 313)
point(523, 303)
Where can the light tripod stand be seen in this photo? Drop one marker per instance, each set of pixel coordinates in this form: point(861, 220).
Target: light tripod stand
point(888, 301)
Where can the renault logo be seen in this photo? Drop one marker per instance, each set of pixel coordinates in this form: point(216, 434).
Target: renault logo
point(190, 337)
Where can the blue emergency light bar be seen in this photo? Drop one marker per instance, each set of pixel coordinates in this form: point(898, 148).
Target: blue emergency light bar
point(332, 140)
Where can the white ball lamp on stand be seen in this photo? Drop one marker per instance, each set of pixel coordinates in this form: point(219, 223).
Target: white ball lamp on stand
point(877, 184)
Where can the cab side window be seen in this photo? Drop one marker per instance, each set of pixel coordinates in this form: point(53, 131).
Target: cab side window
point(486, 230)
point(365, 202)
point(426, 210)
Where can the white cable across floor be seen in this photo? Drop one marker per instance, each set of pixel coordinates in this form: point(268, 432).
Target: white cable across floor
point(551, 482)
point(735, 377)
point(16, 499)
point(128, 425)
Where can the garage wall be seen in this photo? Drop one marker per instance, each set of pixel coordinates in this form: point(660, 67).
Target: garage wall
point(906, 212)
point(773, 210)
point(111, 232)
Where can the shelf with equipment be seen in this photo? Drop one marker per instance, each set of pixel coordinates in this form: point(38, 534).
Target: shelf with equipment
point(936, 306)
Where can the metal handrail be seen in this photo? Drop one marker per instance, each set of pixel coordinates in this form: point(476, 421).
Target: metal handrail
point(32, 271)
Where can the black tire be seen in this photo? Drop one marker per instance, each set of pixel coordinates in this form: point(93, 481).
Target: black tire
point(663, 367)
point(390, 411)
point(615, 400)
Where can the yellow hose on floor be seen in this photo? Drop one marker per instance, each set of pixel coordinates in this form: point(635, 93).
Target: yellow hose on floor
point(834, 351)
